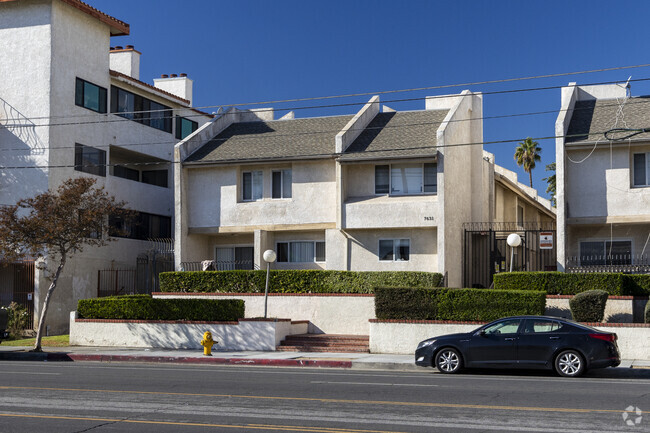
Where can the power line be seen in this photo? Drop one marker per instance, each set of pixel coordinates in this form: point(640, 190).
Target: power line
point(444, 86)
point(310, 155)
point(302, 134)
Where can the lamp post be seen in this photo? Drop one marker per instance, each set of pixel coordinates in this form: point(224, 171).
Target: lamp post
point(514, 240)
point(269, 257)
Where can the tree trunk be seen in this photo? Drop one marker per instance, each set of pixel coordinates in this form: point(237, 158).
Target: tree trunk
point(41, 322)
point(530, 175)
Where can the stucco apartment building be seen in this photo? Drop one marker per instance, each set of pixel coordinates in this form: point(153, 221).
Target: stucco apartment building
point(378, 190)
point(603, 197)
point(72, 105)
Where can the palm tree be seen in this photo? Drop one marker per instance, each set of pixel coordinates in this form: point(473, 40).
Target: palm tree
point(526, 154)
point(551, 182)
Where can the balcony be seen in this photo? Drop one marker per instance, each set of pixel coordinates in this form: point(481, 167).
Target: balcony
point(391, 212)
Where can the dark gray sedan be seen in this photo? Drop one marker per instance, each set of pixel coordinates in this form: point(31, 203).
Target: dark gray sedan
point(532, 342)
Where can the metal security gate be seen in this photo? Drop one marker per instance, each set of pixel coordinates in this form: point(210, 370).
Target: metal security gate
point(486, 251)
point(159, 258)
point(113, 282)
point(17, 285)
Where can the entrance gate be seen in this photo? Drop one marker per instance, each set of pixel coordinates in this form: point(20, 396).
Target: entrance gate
point(486, 251)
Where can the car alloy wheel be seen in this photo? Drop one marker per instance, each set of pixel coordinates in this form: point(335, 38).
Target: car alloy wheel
point(569, 364)
point(448, 361)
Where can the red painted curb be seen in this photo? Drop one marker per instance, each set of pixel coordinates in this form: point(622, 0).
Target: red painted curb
point(212, 360)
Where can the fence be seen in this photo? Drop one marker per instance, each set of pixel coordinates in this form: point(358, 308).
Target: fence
point(214, 265)
point(114, 282)
point(622, 263)
point(17, 285)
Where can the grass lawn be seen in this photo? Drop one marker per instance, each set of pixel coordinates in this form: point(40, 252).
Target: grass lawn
point(54, 341)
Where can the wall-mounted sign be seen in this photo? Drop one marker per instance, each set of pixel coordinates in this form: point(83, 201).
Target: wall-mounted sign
point(545, 240)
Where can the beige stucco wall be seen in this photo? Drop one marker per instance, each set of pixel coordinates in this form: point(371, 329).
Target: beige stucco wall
point(364, 250)
point(636, 233)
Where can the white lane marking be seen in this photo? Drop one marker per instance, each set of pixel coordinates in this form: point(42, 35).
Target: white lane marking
point(371, 383)
point(29, 372)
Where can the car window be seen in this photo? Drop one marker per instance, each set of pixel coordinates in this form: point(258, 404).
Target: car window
point(541, 326)
point(504, 327)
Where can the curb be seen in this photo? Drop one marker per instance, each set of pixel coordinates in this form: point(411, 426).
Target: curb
point(72, 357)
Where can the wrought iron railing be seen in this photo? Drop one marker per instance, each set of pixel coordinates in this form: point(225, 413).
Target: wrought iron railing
point(623, 263)
point(214, 265)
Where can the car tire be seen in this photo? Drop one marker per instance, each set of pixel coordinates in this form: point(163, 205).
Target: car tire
point(569, 363)
point(448, 361)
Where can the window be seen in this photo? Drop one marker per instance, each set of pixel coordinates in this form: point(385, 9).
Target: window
point(301, 252)
point(252, 185)
point(231, 258)
point(155, 177)
point(641, 167)
point(140, 109)
point(89, 160)
point(126, 173)
point(185, 127)
point(605, 253)
point(541, 326)
point(90, 96)
point(405, 179)
point(520, 216)
point(281, 184)
point(141, 226)
point(504, 327)
point(396, 250)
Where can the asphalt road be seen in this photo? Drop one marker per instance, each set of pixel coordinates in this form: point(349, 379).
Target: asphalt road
point(84, 397)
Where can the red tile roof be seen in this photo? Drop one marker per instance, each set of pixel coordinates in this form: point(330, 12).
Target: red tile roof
point(118, 28)
point(149, 86)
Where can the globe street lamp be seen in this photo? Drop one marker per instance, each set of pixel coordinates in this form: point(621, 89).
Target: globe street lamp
point(514, 240)
point(269, 257)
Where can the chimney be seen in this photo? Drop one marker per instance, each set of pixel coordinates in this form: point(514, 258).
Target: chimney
point(176, 84)
point(126, 60)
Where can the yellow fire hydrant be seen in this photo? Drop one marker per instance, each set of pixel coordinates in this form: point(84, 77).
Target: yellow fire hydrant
point(207, 343)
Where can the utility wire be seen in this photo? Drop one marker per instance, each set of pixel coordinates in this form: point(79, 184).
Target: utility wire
point(369, 128)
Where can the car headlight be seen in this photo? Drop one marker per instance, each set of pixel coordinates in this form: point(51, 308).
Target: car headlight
point(426, 343)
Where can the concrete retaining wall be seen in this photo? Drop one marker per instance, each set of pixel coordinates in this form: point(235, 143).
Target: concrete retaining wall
point(402, 337)
point(232, 336)
point(326, 313)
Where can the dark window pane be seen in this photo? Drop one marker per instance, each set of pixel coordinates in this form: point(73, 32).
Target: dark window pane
point(402, 249)
point(90, 96)
point(276, 187)
point(386, 250)
point(155, 177)
point(283, 252)
point(126, 173)
point(89, 160)
point(320, 251)
point(430, 178)
point(185, 127)
point(247, 186)
point(79, 93)
point(381, 179)
point(592, 253)
point(639, 169)
point(286, 183)
point(618, 252)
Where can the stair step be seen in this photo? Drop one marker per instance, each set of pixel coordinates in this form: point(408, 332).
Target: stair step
point(322, 343)
point(322, 349)
point(325, 343)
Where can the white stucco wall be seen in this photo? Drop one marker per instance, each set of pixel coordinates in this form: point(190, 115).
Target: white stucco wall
point(313, 197)
point(403, 338)
point(326, 314)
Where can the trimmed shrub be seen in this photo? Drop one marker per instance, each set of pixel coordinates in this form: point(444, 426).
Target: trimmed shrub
point(144, 307)
point(456, 304)
point(589, 306)
point(560, 283)
point(293, 281)
point(647, 312)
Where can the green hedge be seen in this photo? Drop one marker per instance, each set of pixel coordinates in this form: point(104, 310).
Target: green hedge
point(144, 307)
point(589, 306)
point(560, 283)
point(456, 304)
point(292, 281)
point(647, 312)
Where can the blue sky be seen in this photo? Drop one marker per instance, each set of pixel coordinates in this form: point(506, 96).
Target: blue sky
point(241, 51)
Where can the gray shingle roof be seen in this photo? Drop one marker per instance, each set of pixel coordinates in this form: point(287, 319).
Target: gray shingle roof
point(592, 118)
point(389, 135)
point(397, 135)
point(278, 139)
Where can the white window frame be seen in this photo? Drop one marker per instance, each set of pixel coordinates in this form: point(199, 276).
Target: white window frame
point(422, 179)
point(604, 241)
point(394, 259)
point(301, 241)
point(647, 170)
point(252, 173)
point(283, 193)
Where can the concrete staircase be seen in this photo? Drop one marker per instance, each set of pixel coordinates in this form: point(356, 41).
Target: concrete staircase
point(325, 343)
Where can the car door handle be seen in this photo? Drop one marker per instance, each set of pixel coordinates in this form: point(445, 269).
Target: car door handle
point(553, 338)
point(509, 339)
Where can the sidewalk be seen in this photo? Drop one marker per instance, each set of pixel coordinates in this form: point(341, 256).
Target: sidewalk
point(276, 359)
